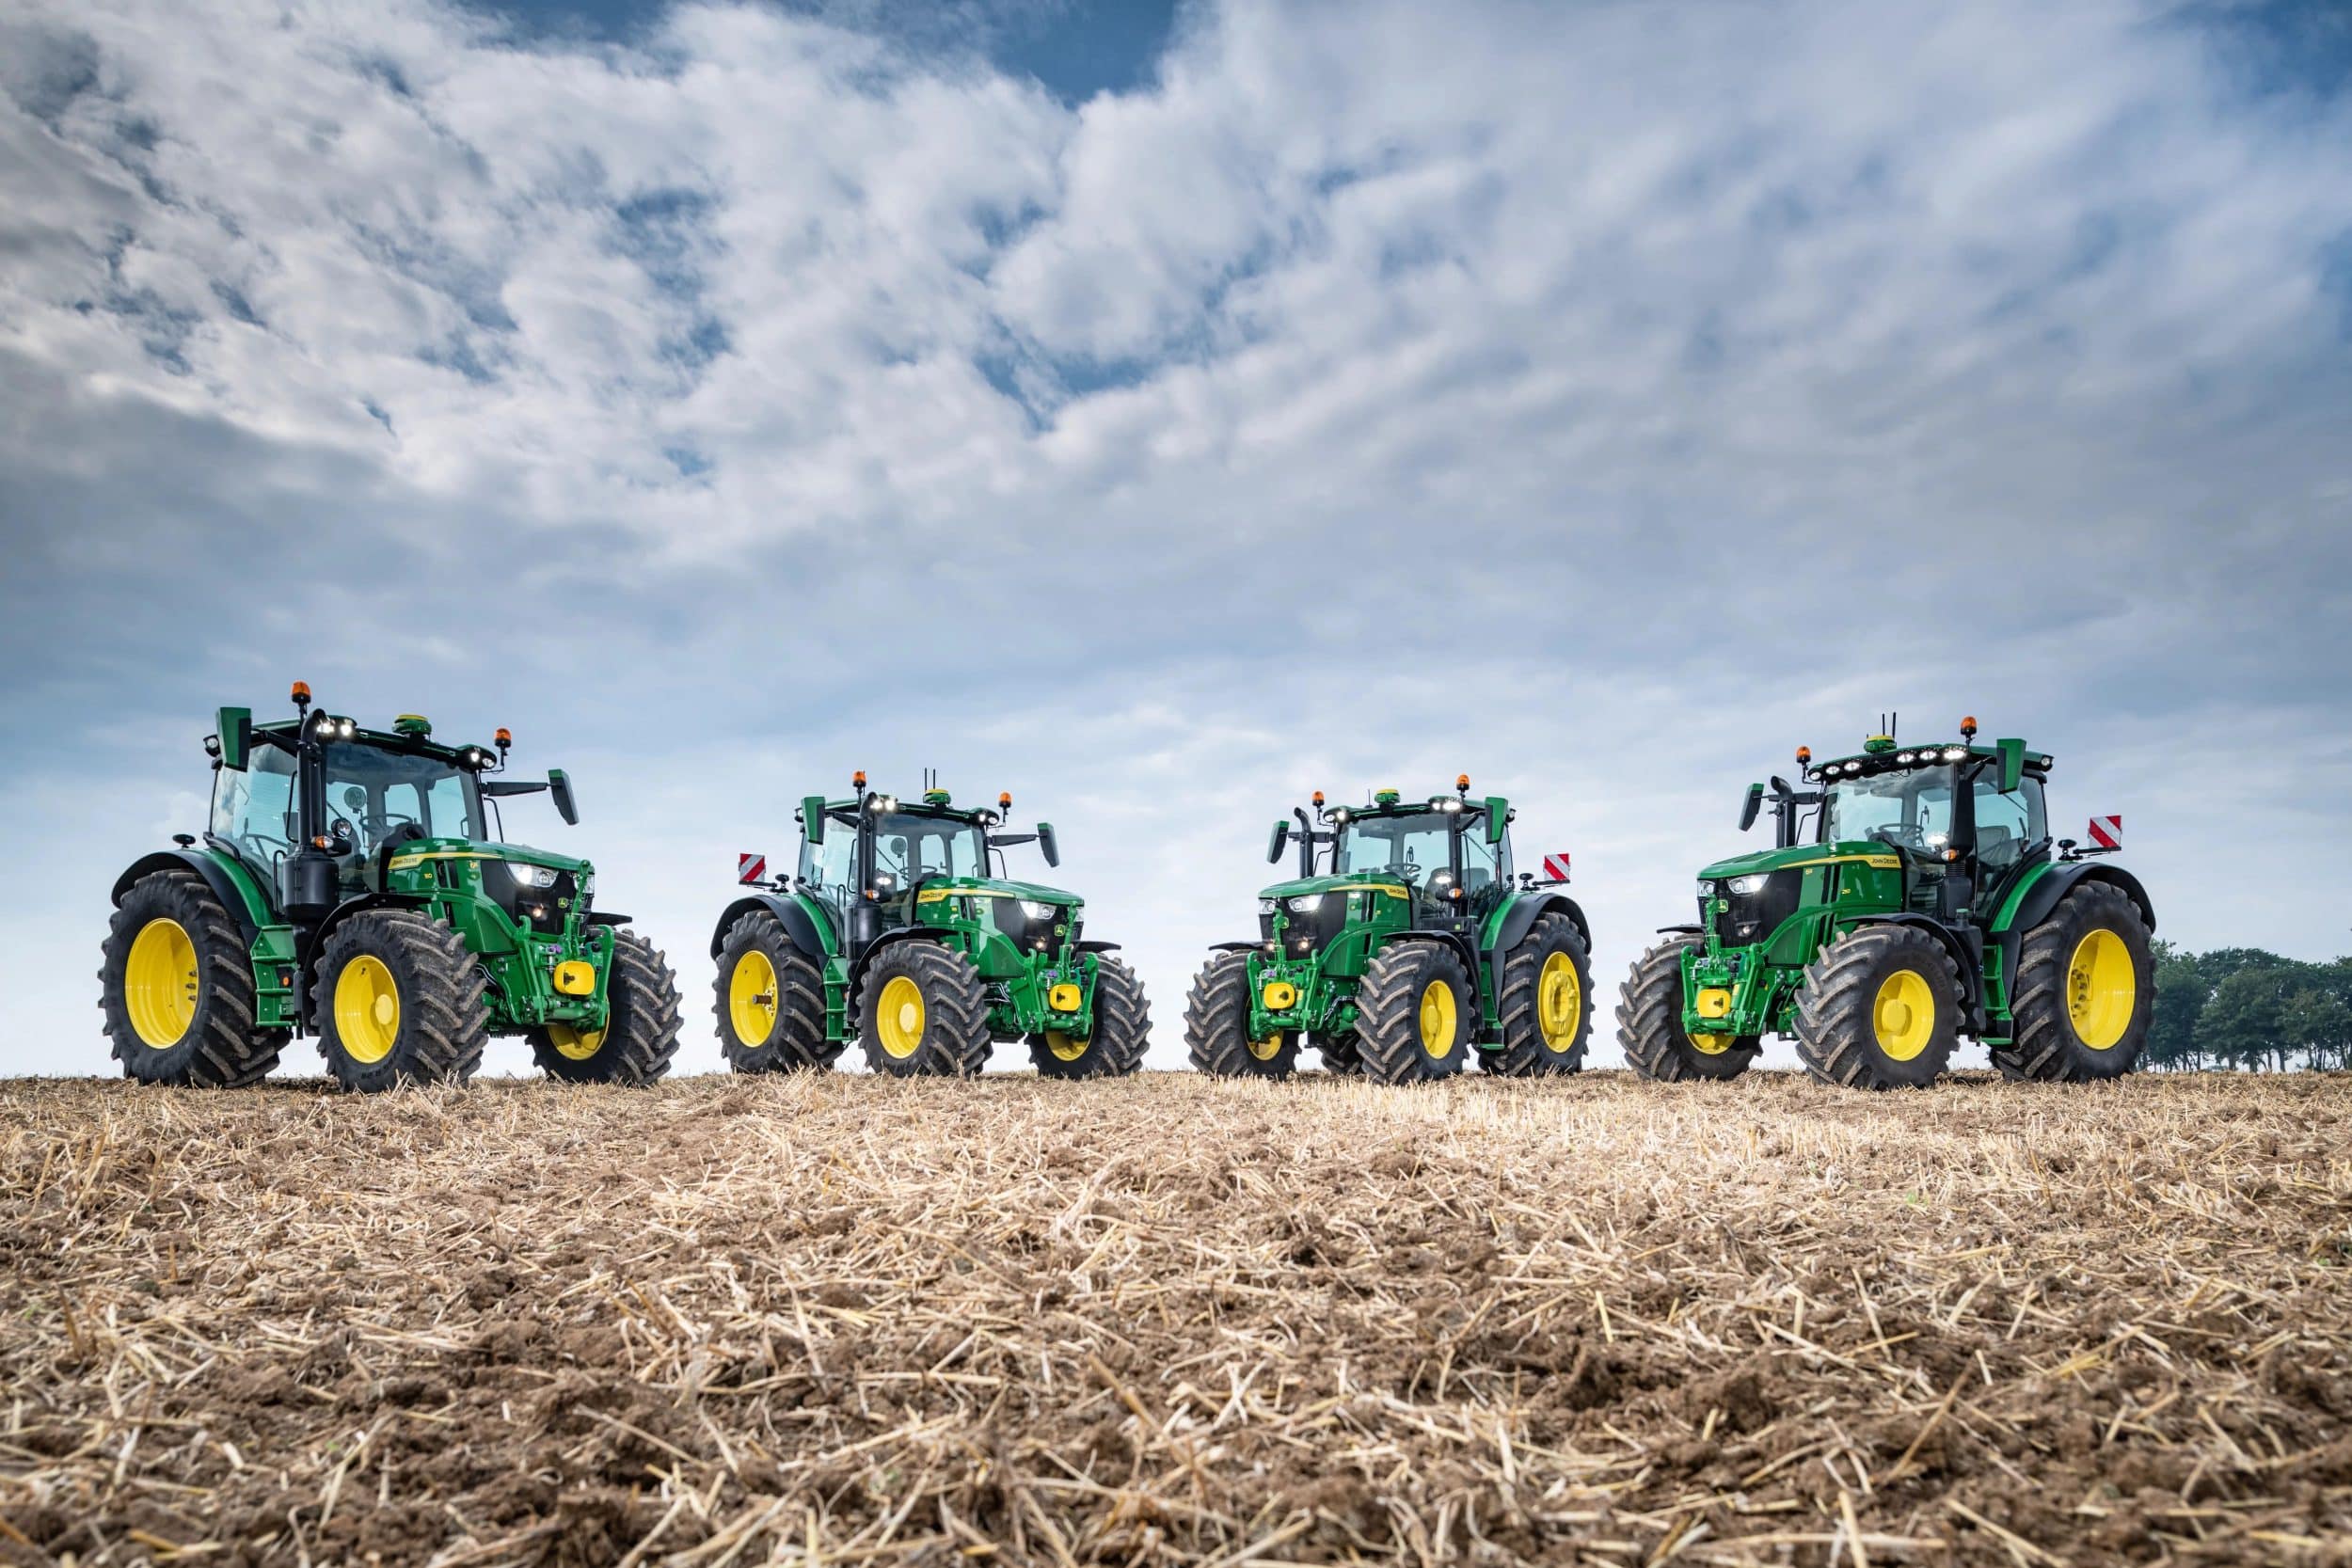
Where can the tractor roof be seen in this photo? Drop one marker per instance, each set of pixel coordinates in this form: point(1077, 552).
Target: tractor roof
point(410, 740)
point(1880, 754)
point(938, 808)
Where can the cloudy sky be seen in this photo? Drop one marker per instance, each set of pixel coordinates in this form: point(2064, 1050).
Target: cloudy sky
point(1164, 412)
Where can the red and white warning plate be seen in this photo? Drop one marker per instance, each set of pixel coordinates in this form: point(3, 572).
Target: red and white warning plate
point(1556, 865)
point(750, 867)
point(2108, 832)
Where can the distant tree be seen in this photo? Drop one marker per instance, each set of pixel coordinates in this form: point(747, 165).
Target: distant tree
point(2182, 992)
point(2244, 1023)
point(2318, 1022)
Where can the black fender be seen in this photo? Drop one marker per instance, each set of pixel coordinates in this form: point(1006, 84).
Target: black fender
point(311, 944)
point(874, 949)
point(2043, 896)
point(794, 919)
point(217, 877)
point(1097, 947)
point(1525, 911)
point(1463, 947)
point(1965, 957)
point(1235, 946)
point(1682, 930)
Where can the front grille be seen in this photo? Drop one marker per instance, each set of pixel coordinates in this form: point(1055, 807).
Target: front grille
point(1307, 933)
point(1750, 918)
point(1029, 933)
point(540, 909)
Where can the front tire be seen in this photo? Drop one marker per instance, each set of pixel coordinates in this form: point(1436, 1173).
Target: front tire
point(2085, 986)
point(769, 998)
point(1216, 1025)
point(400, 1001)
point(1547, 1024)
point(1122, 1028)
point(177, 986)
point(1342, 1053)
point(1878, 1008)
point(1649, 1023)
point(921, 1013)
point(1415, 1013)
point(641, 1027)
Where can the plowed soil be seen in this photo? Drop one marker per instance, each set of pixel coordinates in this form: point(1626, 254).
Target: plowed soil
point(845, 1320)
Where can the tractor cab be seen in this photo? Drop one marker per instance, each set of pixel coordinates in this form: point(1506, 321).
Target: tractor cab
point(1447, 859)
point(878, 863)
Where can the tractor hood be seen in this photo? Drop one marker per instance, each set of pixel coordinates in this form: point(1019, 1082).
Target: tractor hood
point(1306, 885)
point(1796, 854)
point(933, 886)
point(466, 848)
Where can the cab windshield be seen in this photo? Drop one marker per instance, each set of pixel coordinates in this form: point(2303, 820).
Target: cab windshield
point(378, 791)
point(1911, 809)
point(1410, 847)
point(909, 846)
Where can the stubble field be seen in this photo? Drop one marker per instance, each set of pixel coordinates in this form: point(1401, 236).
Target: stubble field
point(849, 1320)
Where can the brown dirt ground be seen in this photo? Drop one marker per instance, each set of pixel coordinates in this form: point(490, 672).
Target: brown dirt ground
point(845, 1320)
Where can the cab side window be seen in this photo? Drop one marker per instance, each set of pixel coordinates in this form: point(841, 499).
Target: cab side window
point(825, 867)
point(1484, 875)
point(254, 808)
point(2007, 824)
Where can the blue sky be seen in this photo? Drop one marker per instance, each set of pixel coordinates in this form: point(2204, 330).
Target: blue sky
point(1164, 412)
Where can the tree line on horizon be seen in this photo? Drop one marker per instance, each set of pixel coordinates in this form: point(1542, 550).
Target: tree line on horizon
point(2244, 1009)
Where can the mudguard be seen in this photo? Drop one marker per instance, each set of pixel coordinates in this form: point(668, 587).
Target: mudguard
point(1526, 909)
point(2032, 906)
point(1971, 967)
point(874, 949)
point(1235, 946)
point(795, 919)
point(1097, 947)
point(230, 882)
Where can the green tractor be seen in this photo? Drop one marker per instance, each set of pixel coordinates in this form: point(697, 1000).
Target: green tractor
point(894, 931)
point(353, 886)
point(1912, 895)
point(1407, 943)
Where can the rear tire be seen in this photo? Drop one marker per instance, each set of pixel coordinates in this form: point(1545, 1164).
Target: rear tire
point(2085, 987)
point(177, 986)
point(1122, 1029)
point(400, 1001)
point(922, 1014)
point(640, 1028)
point(1649, 1023)
point(1547, 1012)
point(1878, 1008)
point(1342, 1053)
point(1216, 1025)
point(778, 1023)
point(1415, 1013)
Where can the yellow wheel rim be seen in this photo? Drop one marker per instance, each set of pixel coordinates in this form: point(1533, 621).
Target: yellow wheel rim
point(160, 983)
point(1903, 1015)
point(1066, 1047)
point(898, 1017)
point(576, 1044)
point(752, 998)
point(1559, 1002)
point(1709, 1045)
point(1268, 1048)
point(2101, 989)
point(367, 1009)
point(1437, 1020)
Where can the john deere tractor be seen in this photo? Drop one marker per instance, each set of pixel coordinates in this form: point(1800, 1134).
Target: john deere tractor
point(353, 885)
point(1913, 894)
point(1406, 944)
point(899, 932)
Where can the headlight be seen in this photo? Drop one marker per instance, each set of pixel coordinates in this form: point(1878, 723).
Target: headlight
point(1267, 905)
point(1308, 905)
point(531, 876)
point(1035, 911)
point(1706, 890)
point(1746, 885)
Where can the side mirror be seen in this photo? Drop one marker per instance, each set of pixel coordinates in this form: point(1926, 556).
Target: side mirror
point(1498, 818)
point(1046, 846)
point(559, 785)
point(1749, 807)
point(813, 818)
point(1279, 842)
point(2012, 765)
point(236, 736)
